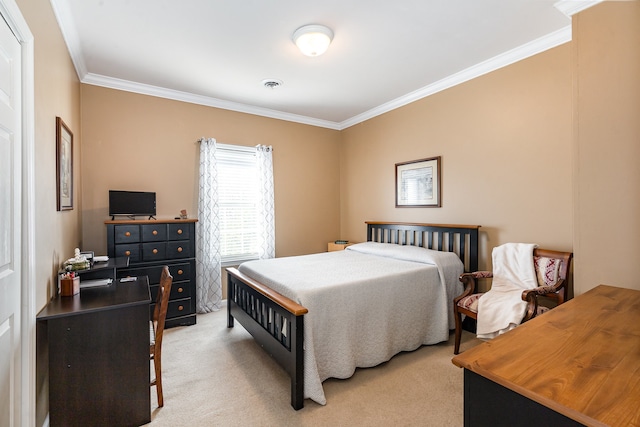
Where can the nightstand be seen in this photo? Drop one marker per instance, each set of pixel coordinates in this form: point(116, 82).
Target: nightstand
point(332, 246)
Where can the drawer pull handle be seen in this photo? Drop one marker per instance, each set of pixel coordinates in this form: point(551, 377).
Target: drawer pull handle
point(127, 253)
point(179, 249)
point(180, 272)
point(128, 234)
point(155, 251)
point(180, 308)
point(180, 231)
point(180, 290)
point(155, 232)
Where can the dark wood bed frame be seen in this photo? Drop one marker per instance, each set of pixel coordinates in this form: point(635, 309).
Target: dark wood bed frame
point(263, 312)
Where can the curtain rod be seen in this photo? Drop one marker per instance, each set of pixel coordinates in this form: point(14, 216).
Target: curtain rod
point(237, 147)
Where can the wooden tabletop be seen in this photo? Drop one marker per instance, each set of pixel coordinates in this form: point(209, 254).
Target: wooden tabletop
point(581, 359)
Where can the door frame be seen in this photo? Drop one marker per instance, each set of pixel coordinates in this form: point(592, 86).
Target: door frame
point(11, 13)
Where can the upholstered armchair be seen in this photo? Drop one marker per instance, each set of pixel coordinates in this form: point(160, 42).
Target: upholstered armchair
point(552, 269)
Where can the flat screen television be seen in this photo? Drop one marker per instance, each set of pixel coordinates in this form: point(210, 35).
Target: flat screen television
point(132, 203)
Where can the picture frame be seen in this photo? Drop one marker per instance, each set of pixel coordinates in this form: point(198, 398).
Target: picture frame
point(64, 166)
point(419, 183)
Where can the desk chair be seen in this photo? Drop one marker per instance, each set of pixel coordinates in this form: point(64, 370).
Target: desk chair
point(156, 329)
point(552, 269)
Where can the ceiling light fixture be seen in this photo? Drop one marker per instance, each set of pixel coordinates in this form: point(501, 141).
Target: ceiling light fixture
point(313, 40)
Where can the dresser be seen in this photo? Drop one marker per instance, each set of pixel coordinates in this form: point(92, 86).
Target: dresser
point(97, 345)
point(151, 244)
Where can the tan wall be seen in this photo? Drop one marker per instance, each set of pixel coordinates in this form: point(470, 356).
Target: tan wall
point(137, 142)
point(607, 145)
point(56, 93)
point(505, 142)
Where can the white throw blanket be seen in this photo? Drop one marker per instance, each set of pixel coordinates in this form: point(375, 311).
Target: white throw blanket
point(502, 308)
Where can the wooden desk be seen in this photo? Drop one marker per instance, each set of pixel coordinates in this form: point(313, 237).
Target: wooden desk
point(98, 349)
point(578, 364)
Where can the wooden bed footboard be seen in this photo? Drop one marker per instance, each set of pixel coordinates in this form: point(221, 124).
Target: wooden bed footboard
point(277, 322)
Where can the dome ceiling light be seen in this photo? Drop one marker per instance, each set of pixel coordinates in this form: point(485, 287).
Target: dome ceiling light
point(313, 40)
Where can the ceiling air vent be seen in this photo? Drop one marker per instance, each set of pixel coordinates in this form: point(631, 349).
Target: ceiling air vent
point(271, 83)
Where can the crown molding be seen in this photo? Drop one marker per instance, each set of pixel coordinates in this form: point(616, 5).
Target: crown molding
point(571, 7)
point(532, 48)
point(68, 29)
point(145, 89)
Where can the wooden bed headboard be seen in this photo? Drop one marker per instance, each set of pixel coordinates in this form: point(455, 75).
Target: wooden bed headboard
point(461, 239)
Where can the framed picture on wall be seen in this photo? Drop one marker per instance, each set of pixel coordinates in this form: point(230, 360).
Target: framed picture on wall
point(64, 166)
point(418, 184)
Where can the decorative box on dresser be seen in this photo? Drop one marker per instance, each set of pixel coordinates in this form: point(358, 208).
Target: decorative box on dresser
point(151, 244)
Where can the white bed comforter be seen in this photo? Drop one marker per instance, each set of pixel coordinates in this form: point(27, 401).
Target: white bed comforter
point(365, 304)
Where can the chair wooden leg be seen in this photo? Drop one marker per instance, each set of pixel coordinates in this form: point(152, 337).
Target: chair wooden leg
point(158, 369)
point(458, 334)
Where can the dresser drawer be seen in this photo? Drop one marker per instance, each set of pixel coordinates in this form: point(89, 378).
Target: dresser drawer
point(126, 233)
point(152, 273)
point(180, 271)
point(180, 307)
point(176, 308)
point(129, 250)
point(179, 232)
point(179, 249)
point(154, 251)
point(154, 232)
point(179, 290)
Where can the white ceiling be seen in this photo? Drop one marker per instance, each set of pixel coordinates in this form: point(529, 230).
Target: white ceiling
point(384, 54)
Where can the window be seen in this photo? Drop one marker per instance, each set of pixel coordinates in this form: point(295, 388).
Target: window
point(237, 203)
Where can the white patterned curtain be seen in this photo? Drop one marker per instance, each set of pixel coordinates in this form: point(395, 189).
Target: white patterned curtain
point(208, 258)
point(266, 210)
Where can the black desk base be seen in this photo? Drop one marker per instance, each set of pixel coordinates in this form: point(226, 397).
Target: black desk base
point(98, 348)
point(487, 403)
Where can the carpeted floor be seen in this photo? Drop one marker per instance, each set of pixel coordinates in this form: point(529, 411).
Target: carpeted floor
point(215, 376)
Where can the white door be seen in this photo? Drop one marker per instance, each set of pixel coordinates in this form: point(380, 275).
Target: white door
point(10, 227)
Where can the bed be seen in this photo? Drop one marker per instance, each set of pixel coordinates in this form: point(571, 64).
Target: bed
point(323, 315)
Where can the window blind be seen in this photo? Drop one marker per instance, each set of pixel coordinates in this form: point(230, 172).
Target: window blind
point(238, 195)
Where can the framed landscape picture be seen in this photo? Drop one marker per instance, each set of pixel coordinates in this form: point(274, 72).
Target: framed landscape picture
point(418, 183)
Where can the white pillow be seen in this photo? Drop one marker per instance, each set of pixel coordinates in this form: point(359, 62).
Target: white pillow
point(405, 252)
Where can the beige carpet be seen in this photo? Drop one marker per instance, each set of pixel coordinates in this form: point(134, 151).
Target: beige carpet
point(214, 376)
